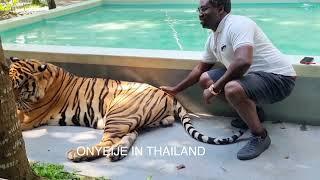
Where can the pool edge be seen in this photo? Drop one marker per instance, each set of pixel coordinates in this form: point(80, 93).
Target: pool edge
point(60, 11)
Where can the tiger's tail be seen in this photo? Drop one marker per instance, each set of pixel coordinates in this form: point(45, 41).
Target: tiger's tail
point(181, 112)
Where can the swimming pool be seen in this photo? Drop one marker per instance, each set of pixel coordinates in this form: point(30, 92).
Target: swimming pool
point(292, 27)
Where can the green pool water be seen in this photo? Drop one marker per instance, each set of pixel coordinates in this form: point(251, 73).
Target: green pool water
point(293, 28)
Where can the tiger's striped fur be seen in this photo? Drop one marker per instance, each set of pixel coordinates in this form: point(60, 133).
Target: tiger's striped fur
point(48, 95)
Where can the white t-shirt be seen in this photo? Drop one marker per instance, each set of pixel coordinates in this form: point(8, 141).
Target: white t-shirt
point(236, 31)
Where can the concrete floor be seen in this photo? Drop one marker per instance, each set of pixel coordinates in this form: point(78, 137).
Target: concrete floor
point(293, 154)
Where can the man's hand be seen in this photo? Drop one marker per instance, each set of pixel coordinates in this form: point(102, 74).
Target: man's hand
point(210, 92)
point(207, 96)
point(170, 90)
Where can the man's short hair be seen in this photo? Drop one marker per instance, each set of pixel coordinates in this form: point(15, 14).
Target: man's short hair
point(225, 3)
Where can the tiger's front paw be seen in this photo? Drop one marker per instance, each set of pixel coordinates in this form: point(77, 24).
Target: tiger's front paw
point(76, 155)
point(117, 153)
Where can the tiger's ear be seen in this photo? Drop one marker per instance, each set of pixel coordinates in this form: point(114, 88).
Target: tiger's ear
point(14, 59)
point(42, 68)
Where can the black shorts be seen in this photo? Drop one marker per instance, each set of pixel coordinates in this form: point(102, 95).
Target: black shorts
point(261, 87)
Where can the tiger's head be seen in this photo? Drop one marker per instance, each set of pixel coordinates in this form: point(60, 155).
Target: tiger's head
point(30, 78)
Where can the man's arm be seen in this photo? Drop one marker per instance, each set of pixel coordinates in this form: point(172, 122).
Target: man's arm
point(243, 60)
point(190, 80)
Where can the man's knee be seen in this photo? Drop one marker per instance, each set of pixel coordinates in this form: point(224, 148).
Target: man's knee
point(205, 81)
point(233, 90)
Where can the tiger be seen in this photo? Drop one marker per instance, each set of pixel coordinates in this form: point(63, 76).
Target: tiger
point(46, 94)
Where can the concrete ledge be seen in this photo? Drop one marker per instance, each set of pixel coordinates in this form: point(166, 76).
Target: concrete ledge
point(107, 56)
point(167, 59)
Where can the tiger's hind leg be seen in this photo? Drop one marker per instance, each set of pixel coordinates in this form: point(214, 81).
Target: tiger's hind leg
point(121, 149)
point(167, 121)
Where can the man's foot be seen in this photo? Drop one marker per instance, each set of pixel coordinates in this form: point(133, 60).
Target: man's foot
point(239, 123)
point(254, 147)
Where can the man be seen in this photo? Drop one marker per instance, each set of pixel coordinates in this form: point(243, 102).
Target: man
point(255, 71)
